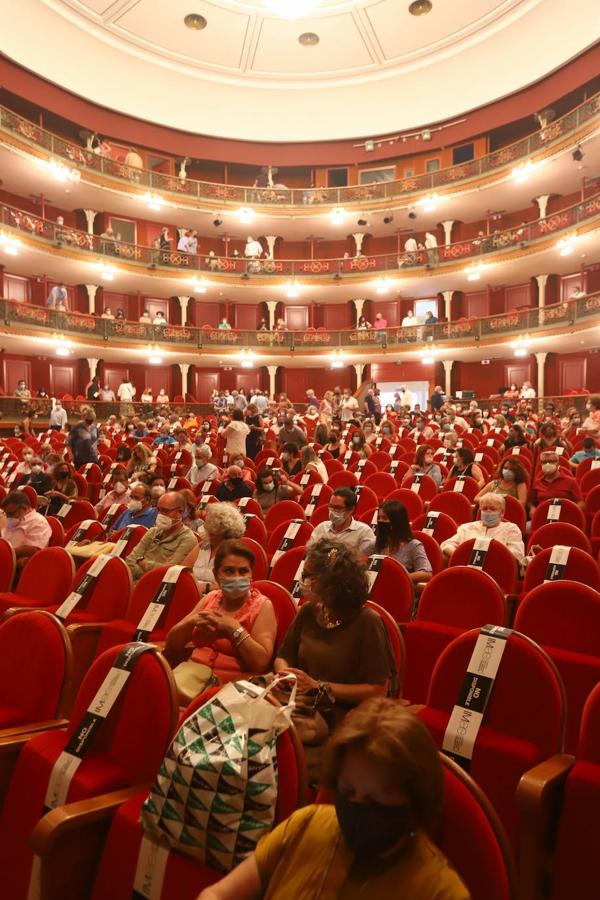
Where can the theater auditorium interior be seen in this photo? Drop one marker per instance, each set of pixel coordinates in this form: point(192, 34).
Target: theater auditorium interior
point(299, 450)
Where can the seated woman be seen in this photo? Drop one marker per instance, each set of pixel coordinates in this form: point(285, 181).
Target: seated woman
point(222, 522)
point(511, 480)
point(233, 628)
point(238, 459)
point(290, 457)
point(272, 486)
point(516, 437)
point(142, 460)
point(424, 465)
point(464, 464)
point(311, 463)
point(335, 444)
point(492, 525)
point(337, 648)
point(358, 443)
point(393, 537)
point(63, 489)
point(118, 492)
point(384, 772)
point(370, 433)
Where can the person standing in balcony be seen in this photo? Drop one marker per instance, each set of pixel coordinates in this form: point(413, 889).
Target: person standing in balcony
point(58, 416)
point(253, 248)
point(92, 390)
point(22, 392)
point(224, 324)
point(134, 163)
point(107, 242)
point(380, 323)
point(431, 245)
point(106, 395)
point(126, 394)
point(57, 295)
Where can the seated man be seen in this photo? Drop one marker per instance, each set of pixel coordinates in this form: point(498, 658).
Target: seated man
point(553, 482)
point(39, 480)
point(589, 450)
point(140, 511)
point(234, 487)
point(342, 527)
point(23, 527)
point(168, 542)
point(202, 469)
point(491, 525)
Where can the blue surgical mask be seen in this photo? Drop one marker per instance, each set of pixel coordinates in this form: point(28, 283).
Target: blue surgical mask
point(490, 519)
point(235, 585)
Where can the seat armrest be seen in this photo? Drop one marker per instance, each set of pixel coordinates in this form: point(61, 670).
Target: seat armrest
point(12, 741)
point(69, 841)
point(538, 798)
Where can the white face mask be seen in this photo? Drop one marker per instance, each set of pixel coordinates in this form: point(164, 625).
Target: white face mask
point(269, 487)
point(163, 521)
point(120, 487)
point(135, 505)
point(549, 468)
point(158, 490)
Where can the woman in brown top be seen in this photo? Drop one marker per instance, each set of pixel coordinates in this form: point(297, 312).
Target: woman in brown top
point(338, 649)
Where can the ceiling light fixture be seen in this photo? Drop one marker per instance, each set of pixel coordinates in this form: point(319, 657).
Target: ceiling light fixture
point(195, 21)
point(521, 346)
point(382, 286)
point(420, 7)
point(473, 272)
point(62, 347)
point(107, 271)
point(291, 9)
point(217, 222)
point(577, 153)
point(153, 201)
point(362, 221)
point(566, 245)
point(429, 203)
point(424, 134)
point(60, 171)
point(309, 39)
point(199, 285)
point(154, 355)
point(9, 244)
point(246, 215)
point(247, 358)
point(337, 215)
point(388, 219)
point(521, 173)
point(292, 289)
point(337, 359)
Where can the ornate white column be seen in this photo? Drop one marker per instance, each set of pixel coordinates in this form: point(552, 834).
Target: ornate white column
point(447, 226)
point(184, 368)
point(448, 363)
point(541, 283)
point(270, 239)
point(447, 295)
point(91, 292)
point(271, 306)
point(542, 204)
point(90, 216)
point(541, 363)
point(359, 369)
point(183, 302)
point(272, 370)
point(93, 364)
point(359, 303)
point(359, 237)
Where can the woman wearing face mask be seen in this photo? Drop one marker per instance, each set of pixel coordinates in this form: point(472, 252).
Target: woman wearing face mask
point(336, 646)
point(491, 525)
point(549, 439)
point(222, 522)
point(37, 478)
point(335, 444)
point(552, 482)
point(592, 422)
point(142, 460)
point(290, 458)
point(516, 437)
point(63, 488)
point(254, 440)
point(511, 480)
point(118, 492)
point(464, 464)
point(424, 465)
point(393, 537)
point(274, 486)
point(358, 444)
point(388, 431)
point(311, 463)
point(157, 488)
point(370, 433)
point(24, 467)
point(123, 454)
point(233, 628)
point(384, 773)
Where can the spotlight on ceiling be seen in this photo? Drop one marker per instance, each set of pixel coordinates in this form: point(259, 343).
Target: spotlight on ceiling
point(412, 214)
point(388, 218)
point(577, 154)
point(217, 222)
point(420, 7)
point(362, 221)
point(369, 146)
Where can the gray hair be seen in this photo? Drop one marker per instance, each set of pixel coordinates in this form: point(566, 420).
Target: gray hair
point(203, 450)
point(224, 520)
point(497, 500)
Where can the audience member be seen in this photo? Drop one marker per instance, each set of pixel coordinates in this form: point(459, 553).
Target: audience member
point(510, 480)
point(222, 522)
point(491, 525)
point(139, 508)
point(464, 461)
point(424, 465)
point(169, 540)
point(342, 527)
point(233, 487)
point(23, 527)
point(394, 537)
point(553, 482)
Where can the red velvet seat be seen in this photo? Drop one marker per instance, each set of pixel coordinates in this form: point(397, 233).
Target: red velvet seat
point(283, 604)
point(304, 479)
point(283, 511)
point(382, 483)
point(249, 505)
point(444, 526)
point(577, 845)
point(126, 750)
point(580, 567)
point(30, 492)
point(256, 529)
point(363, 469)
point(320, 514)
point(34, 692)
point(78, 511)
point(553, 533)
point(397, 469)
point(183, 600)
point(322, 498)
point(564, 618)
point(524, 720)
point(455, 505)
point(424, 486)
point(261, 560)
point(300, 539)
point(432, 550)
point(569, 513)
point(92, 532)
point(107, 599)
point(332, 465)
point(393, 589)
point(57, 537)
point(396, 642)
point(135, 535)
point(499, 563)
point(367, 499)
point(343, 478)
point(8, 565)
point(590, 480)
point(284, 570)
point(45, 580)
point(412, 501)
point(453, 602)
point(515, 512)
point(380, 459)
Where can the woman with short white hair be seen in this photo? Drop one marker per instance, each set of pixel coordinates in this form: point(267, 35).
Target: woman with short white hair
point(223, 522)
point(491, 525)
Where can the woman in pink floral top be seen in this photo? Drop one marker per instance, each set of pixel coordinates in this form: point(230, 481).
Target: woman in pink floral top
point(233, 628)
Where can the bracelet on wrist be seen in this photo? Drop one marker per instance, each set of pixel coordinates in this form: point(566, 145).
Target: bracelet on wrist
point(241, 639)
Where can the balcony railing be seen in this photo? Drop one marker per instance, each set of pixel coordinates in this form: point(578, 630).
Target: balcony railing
point(509, 156)
point(479, 249)
point(516, 323)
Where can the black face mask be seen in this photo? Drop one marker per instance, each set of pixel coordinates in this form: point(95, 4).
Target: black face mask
point(383, 530)
point(371, 830)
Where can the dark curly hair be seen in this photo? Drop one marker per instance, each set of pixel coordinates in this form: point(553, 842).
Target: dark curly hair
point(340, 579)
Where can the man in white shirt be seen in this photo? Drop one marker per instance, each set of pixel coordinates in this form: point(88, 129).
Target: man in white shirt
point(431, 245)
point(203, 469)
point(261, 401)
point(491, 525)
point(349, 406)
point(23, 527)
point(126, 393)
point(106, 395)
point(342, 527)
point(183, 244)
point(58, 416)
point(405, 397)
point(409, 319)
point(527, 391)
point(253, 248)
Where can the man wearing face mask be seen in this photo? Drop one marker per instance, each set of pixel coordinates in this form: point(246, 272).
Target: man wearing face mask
point(553, 482)
point(491, 525)
point(24, 467)
point(83, 438)
point(139, 509)
point(168, 542)
point(157, 488)
point(342, 527)
point(202, 469)
point(118, 493)
point(37, 478)
point(22, 527)
point(234, 487)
